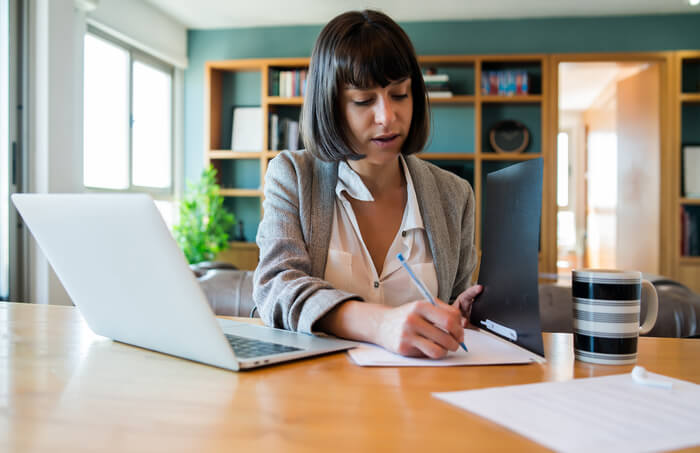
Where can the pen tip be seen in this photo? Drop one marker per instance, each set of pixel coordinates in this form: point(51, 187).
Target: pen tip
point(464, 347)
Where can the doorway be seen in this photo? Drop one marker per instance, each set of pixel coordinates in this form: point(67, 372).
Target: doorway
point(608, 164)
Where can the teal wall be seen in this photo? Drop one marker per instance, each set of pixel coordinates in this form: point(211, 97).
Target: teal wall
point(600, 34)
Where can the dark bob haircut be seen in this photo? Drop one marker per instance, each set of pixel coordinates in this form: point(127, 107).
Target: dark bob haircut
point(363, 49)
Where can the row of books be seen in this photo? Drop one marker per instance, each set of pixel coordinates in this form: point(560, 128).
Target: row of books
point(690, 230)
point(288, 83)
point(505, 83)
point(437, 85)
point(284, 133)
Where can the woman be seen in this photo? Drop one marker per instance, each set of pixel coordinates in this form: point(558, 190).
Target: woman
point(337, 213)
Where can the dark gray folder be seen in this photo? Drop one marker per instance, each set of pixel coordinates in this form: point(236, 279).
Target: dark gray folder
point(509, 303)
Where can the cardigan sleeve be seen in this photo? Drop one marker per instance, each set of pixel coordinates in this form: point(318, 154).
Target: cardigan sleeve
point(285, 292)
point(467, 250)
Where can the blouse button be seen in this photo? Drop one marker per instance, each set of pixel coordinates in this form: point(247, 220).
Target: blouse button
point(403, 233)
point(376, 284)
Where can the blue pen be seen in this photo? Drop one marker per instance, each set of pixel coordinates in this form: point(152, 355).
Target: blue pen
point(421, 287)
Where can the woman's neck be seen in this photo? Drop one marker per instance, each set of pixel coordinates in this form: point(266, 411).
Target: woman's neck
point(379, 178)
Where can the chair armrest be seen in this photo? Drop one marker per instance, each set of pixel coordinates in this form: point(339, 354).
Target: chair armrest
point(229, 292)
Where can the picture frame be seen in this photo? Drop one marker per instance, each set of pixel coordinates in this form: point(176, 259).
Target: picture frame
point(691, 171)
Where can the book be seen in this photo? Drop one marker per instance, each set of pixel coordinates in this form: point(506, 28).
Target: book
point(690, 230)
point(505, 83)
point(691, 171)
point(436, 78)
point(439, 94)
point(291, 135)
point(247, 129)
point(274, 131)
point(274, 82)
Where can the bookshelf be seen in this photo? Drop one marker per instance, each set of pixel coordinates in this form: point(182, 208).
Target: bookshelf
point(687, 221)
point(459, 129)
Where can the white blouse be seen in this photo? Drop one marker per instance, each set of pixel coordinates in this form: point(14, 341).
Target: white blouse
point(349, 266)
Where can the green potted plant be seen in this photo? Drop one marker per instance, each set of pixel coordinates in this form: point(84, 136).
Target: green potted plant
point(202, 231)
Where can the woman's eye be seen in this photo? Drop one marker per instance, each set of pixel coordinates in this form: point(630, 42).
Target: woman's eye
point(401, 96)
point(362, 102)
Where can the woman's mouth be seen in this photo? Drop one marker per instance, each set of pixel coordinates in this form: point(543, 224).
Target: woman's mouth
point(385, 141)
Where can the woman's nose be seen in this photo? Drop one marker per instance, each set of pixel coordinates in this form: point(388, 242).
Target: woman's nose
point(384, 111)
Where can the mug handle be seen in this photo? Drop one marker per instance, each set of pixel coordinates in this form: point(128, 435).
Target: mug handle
point(652, 307)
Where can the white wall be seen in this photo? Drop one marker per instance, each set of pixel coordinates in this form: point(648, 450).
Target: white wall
point(54, 119)
point(143, 26)
point(55, 99)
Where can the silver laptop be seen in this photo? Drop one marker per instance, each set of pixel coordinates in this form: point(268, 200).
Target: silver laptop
point(124, 271)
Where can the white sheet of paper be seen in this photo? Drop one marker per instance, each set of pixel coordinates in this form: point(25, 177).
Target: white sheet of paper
point(246, 130)
point(602, 414)
point(484, 349)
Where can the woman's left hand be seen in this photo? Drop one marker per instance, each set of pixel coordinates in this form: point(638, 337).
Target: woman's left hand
point(465, 300)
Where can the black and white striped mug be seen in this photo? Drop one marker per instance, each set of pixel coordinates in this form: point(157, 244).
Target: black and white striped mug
point(606, 314)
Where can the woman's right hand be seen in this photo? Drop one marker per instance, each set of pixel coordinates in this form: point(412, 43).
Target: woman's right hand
point(419, 329)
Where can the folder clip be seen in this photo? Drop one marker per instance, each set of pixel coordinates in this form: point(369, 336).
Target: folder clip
point(501, 330)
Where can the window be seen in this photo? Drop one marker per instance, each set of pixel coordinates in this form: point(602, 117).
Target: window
point(128, 119)
point(566, 222)
point(563, 169)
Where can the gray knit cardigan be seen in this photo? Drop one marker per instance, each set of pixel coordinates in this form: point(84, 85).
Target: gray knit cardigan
point(295, 231)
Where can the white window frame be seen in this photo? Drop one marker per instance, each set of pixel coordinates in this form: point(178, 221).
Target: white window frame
point(135, 54)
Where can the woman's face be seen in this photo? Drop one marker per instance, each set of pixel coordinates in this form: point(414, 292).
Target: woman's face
point(378, 119)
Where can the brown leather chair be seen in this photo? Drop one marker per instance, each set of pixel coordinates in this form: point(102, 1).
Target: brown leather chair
point(229, 291)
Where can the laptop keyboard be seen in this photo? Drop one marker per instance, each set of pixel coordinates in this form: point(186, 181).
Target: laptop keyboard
point(246, 348)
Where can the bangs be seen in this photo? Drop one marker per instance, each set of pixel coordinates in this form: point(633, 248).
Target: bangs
point(370, 57)
point(365, 50)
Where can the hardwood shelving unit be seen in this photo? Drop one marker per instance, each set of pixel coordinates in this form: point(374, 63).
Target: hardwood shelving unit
point(277, 100)
point(241, 192)
point(460, 124)
point(687, 91)
point(690, 97)
point(446, 156)
point(524, 99)
point(511, 157)
point(458, 99)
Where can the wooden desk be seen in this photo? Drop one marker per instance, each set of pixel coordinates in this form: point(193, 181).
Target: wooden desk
point(65, 389)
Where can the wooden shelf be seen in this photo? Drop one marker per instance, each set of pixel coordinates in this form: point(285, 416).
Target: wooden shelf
point(278, 100)
point(690, 97)
point(243, 255)
point(518, 99)
point(445, 156)
point(512, 157)
point(695, 260)
point(241, 192)
point(685, 269)
point(446, 60)
point(221, 154)
point(462, 135)
point(458, 99)
point(240, 245)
